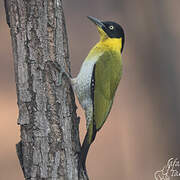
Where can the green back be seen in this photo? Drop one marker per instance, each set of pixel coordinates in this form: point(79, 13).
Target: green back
point(108, 71)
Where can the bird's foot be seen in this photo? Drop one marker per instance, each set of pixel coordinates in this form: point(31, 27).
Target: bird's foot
point(62, 73)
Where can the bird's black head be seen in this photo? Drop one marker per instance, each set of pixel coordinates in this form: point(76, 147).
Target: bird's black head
point(112, 29)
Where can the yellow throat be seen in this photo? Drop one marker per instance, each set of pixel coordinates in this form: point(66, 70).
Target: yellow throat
point(109, 43)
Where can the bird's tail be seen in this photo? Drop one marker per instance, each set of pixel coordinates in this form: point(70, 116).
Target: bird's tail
point(89, 138)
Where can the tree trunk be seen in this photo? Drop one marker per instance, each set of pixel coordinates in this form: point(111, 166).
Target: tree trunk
point(50, 145)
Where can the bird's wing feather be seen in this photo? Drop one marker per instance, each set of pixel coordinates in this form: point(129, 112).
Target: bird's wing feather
point(108, 70)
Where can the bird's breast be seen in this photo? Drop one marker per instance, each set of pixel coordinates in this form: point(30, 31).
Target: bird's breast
point(82, 83)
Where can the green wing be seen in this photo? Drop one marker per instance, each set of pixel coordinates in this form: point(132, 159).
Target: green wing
point(108, 71)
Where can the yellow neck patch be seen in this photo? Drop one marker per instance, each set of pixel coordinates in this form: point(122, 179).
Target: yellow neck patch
point(107, 42)
point(111, 43)
point(103, 35)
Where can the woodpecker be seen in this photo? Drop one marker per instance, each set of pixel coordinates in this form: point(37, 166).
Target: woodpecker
point(98, 79)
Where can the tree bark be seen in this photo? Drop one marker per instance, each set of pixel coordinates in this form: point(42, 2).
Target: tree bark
point(50, 145)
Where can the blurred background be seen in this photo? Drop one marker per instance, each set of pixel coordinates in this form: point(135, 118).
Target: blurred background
point(143, 129)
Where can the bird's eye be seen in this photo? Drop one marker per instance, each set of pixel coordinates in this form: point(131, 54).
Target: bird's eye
point(111, 27)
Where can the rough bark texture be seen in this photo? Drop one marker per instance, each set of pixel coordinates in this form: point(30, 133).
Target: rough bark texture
point(49, 145)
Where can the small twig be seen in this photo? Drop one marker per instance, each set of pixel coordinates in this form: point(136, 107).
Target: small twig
point(20, 155)
point(7, 12)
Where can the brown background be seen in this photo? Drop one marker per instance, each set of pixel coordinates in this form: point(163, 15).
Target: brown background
point(143, 129)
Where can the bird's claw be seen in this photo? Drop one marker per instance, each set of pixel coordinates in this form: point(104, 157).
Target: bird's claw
point(62, 73)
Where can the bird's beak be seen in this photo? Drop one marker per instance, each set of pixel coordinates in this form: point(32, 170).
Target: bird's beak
point(100, 26)
point(96, 21)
